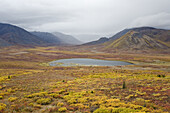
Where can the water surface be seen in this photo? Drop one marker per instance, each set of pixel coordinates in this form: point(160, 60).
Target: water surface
point(87, 62)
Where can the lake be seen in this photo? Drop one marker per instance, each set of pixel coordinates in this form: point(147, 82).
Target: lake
point(87, 62)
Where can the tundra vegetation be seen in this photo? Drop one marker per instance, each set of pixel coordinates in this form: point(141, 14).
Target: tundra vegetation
point(29, 84)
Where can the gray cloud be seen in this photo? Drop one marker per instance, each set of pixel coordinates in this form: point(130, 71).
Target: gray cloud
point(91, 17)
point(160, 20)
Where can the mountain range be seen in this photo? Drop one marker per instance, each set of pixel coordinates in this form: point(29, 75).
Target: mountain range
point(11, 35)
point(127, 39)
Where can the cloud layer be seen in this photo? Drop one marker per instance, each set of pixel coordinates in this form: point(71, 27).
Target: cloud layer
point(97, 17)
point(160, 20)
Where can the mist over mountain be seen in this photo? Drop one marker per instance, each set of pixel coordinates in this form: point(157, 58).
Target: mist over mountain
point(68, 39)
point(47, 37)
point(87, 37)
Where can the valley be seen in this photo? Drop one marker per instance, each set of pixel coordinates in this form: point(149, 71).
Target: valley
point(29, 84)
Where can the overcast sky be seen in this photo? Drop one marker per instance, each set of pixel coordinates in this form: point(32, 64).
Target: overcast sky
point(85, 17)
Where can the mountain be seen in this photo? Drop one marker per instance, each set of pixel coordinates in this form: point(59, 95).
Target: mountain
point(13, 35)
point(100, 41)
point(136, 39)
point(140, 38)
point(49, 38)
point(68, 39)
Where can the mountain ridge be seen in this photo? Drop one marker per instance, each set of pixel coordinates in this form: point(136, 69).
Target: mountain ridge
point(99, 41)
point(137, 39)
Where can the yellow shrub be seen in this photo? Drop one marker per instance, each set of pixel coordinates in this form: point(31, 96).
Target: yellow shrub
point(31, 104)
point(113, 100)
point(123, 110)
point(37, 106)
point(130, 96)
point(10, 90)
point(83, 100)
point(62, 109)
point(100, 110)
point(72, 101)
point(12, 99)
point(54, 95)
point(80, 106)
point(44, 101)
point(60, 104)
point(156, 95)
point(2, 106)
point(41, 94)
point(1, 97)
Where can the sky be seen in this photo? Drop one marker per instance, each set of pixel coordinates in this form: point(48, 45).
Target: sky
point(87, 20)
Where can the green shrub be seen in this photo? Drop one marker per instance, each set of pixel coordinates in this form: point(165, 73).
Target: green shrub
point(124, 85)
point(161, 76)
point(9, 77)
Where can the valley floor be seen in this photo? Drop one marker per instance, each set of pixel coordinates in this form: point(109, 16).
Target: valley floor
point(29, 84)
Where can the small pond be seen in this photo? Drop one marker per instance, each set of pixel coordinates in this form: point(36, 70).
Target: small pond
point(87, 62)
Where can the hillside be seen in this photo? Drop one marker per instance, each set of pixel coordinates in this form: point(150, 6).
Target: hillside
point(68, 39)
point(140, 38)
point(13, 35)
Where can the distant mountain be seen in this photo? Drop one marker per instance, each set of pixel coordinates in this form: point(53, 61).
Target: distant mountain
point(13, 35)
point(100, 41)
point(140, 38)
point(68, 39)
point(49, 38)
